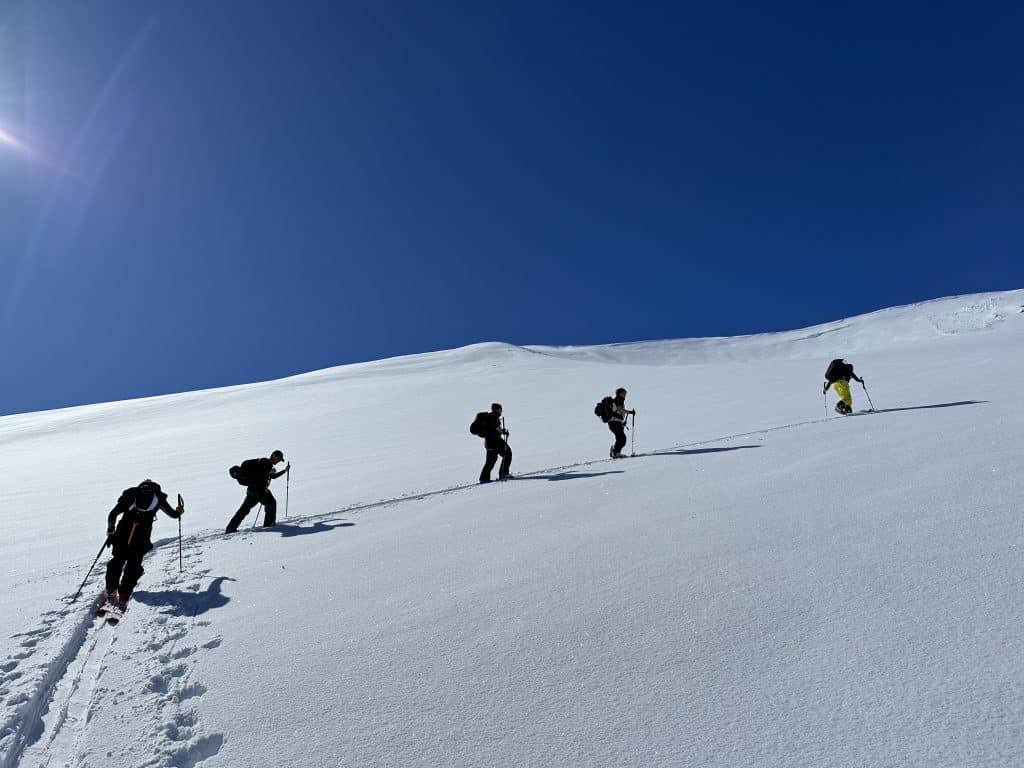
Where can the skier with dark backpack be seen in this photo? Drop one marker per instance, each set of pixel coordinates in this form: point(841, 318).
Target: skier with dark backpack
point(613, 412)
point(838, 376)
point(491, 427)
point(255, 475)
point(131, 538)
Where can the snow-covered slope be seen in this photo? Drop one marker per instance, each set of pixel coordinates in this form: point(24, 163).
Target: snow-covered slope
point(763, 585)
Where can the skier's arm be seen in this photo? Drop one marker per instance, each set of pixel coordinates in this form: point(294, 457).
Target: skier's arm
point(169, 510)
point(112, 518)
point(275, 475)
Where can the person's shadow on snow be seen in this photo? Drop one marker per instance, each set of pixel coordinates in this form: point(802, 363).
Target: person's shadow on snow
point(287, 530)
point(929, 407)
point(697, 451)
point(569, 475)
point(186, 603)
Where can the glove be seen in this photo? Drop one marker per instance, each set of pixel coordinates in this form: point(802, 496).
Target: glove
point(110, 537)
point(824, 389)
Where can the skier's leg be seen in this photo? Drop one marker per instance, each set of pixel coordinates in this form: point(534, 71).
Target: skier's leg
point(119, 553)
point(618, 429)
point(489, 461)
point(250, 501)
point(492, 449)
point(133, 571)
point(506, 462)
point(269, 508)
point(114, 568)
point(842, 389)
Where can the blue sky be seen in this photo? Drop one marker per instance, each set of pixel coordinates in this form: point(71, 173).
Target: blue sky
point(201, 194)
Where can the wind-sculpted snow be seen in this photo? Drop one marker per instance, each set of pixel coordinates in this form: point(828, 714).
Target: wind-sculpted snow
point(888, 329)
point(764, 584)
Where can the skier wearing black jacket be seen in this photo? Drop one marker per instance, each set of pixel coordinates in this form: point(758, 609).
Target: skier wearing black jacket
point(617, 422)
point(131, 538)
point(494, 433)
point(255, 475)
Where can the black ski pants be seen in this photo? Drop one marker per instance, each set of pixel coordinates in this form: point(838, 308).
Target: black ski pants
point(618, 429)
point(255, 496)
point(131, 542)
point(496, 446)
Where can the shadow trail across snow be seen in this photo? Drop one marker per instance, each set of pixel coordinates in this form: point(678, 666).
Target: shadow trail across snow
point(697, 451)
point(930, 407)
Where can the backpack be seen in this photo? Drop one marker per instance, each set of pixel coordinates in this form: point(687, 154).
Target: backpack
point(838, 369)
point(245, 473)
point(603, 410)
point(479, 426)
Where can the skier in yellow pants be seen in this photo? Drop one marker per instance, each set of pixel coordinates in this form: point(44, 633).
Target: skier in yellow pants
point(838, 377)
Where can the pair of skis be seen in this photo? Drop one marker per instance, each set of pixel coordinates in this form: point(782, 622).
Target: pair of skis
point(112, 611)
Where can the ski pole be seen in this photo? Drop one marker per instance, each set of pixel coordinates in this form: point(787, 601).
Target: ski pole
point(181, 506)
point(632, 437)
point(287, 490)
point(865, 388)
point(255, 519)
point(105, 542)
point(824, 401)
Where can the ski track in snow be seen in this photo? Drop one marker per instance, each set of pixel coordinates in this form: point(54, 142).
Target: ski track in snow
point(49, 716)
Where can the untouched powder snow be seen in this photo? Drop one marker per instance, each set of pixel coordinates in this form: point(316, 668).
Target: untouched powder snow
point(765, 584)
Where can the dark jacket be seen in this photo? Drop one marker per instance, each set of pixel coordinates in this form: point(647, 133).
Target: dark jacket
point(840, 370)
point(492, 424)
point(619, 410)
point(140, 505)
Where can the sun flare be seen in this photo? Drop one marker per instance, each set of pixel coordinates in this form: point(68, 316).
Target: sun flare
point(8, 139)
